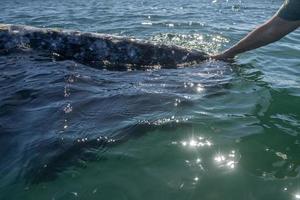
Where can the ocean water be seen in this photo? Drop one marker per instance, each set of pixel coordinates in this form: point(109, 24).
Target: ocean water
point(212, 131)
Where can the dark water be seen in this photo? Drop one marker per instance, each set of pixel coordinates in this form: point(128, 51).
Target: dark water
point(213, 131)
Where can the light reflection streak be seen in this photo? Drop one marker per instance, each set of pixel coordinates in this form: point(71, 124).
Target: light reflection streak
point(196, 142)
point(228, 161)
point(67, 109)
point(207, 43)
point(200, 88)
point(222, 160)
point(177, 102)
point(165, 120)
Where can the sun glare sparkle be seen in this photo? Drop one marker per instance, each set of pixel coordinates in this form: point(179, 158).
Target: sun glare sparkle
point(196, 142)
point(228, 161)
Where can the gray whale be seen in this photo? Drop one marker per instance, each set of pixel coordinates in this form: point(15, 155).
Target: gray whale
point(97, 49)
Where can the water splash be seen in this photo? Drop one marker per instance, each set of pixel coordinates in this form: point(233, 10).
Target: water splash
point(207, 43)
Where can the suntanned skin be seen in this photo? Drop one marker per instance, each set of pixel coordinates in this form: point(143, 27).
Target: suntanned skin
point(269, 32)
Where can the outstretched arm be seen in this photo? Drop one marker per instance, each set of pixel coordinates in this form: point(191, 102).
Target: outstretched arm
point(271, 31)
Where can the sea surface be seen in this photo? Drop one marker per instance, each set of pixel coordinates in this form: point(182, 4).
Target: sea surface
point(215, 131)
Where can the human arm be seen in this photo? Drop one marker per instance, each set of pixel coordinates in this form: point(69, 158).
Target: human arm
point(271, 31)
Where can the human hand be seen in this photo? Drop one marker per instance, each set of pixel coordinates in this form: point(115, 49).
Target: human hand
point(222, 56)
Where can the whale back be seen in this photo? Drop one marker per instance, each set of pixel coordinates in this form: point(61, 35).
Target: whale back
point(97, 49)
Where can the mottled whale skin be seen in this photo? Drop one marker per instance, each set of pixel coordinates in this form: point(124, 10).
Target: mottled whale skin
point(97, 49)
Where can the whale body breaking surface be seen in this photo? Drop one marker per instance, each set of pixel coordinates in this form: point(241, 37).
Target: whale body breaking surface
point(97, 49)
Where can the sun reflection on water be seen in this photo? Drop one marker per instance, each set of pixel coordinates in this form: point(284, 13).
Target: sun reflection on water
point(196, 142)
point(228, 161)
point(200, 88)
point(202, 160)
point(206, 43)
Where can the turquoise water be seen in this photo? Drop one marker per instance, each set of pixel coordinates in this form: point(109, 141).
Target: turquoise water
point(214, 131)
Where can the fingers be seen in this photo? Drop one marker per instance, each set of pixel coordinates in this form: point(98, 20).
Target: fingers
point(221, 57)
